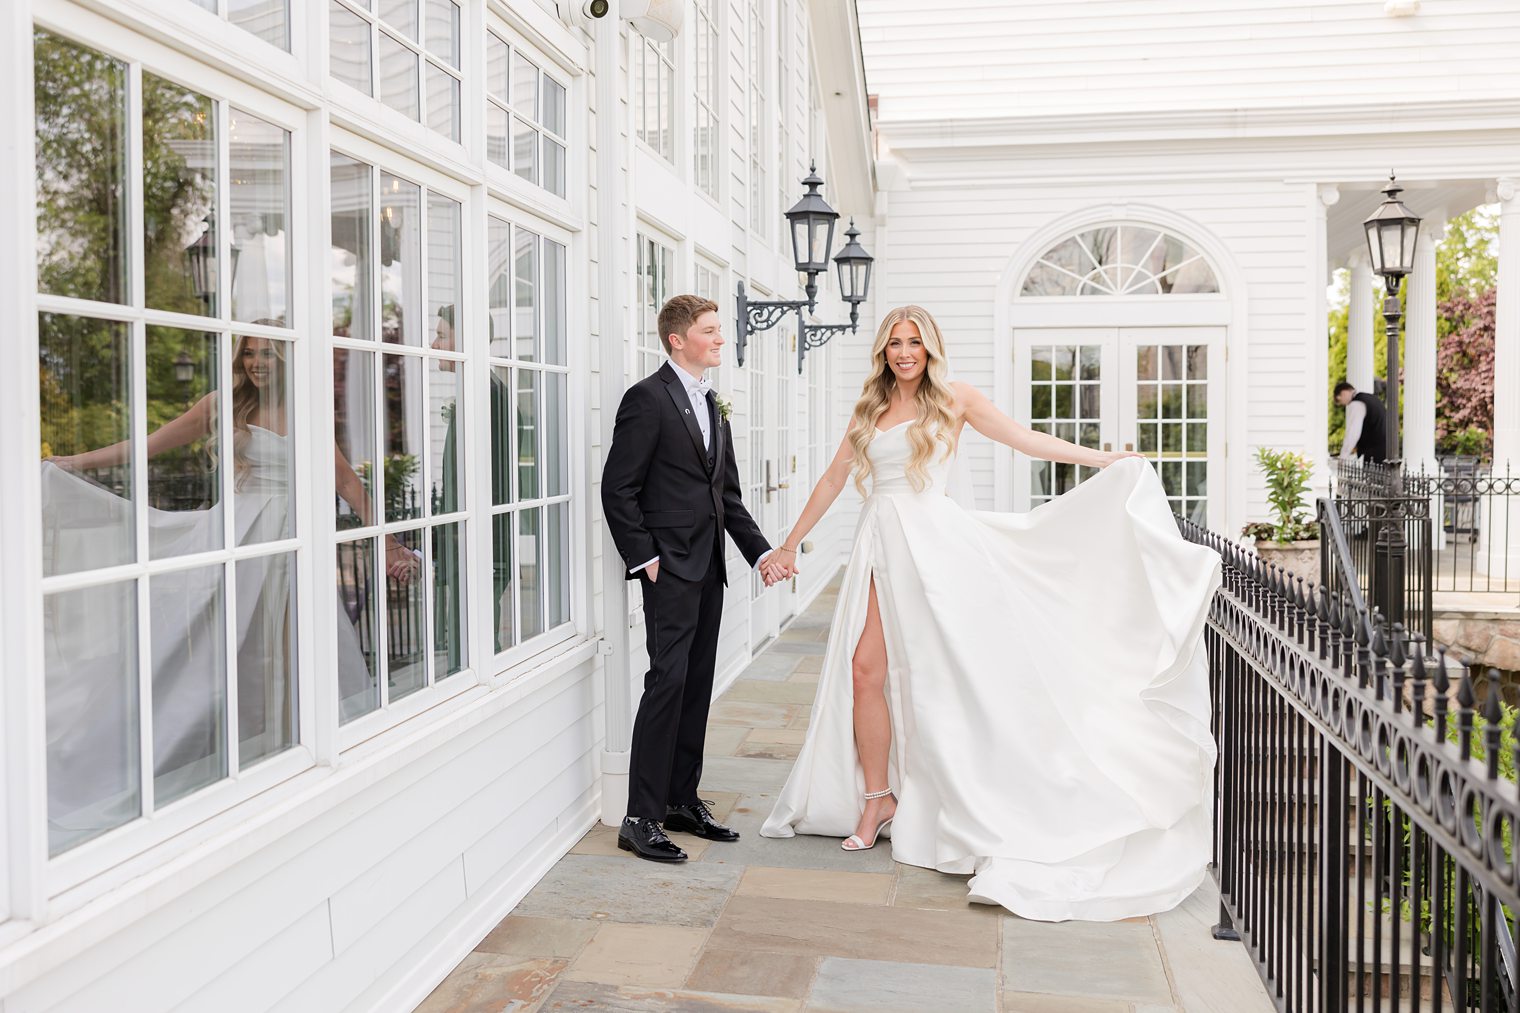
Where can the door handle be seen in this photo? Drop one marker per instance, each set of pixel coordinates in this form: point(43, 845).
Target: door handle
point(784, 485)
point(1129, 446)
point(1107, 447)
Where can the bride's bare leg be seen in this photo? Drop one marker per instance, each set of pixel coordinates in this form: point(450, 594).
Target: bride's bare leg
point(873, 722)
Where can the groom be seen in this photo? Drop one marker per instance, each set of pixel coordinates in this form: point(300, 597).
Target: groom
point(670, 488)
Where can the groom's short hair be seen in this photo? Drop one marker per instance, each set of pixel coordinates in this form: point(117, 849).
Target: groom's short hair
point(679, 313)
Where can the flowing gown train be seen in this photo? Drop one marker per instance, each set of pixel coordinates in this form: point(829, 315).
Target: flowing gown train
point(1047, 682)
point(91, 713)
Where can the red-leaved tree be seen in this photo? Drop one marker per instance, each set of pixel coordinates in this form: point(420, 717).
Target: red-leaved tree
point(1465, 370)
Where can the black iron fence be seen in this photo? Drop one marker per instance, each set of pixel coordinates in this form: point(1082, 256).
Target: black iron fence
point(1385, 517)
point(1473, 511)
point(1364, 835)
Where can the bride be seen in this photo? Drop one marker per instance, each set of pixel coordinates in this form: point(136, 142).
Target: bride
point(1022, 697)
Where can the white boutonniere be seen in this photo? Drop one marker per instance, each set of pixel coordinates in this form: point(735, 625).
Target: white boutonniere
point(725, 407)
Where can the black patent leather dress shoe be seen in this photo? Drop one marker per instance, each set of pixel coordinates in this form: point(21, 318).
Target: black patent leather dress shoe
point(647, 840)
point(695, 819)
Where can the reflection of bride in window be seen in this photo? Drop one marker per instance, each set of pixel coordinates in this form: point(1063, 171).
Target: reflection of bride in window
point(83, 522)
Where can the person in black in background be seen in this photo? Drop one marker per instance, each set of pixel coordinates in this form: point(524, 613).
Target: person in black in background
point(1366, 424)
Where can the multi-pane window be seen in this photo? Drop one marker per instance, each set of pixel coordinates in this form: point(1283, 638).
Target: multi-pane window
point(708, 281)
point(165, 375)
point(398, 394)
point(1065, 400)
point(656, 262)
point(654, 100)
point(1172, 421)
point(406, 53)
point(268, 19)
point(783, 107)
point(525, 116)
point(707, 152)
point(759, 150)
point(529, 426)
point(1120, 260)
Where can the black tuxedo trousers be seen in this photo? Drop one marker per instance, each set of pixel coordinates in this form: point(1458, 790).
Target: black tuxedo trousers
point(666, 493)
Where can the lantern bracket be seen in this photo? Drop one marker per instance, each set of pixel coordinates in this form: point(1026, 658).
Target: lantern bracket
point(754, 315)
point(818, 335)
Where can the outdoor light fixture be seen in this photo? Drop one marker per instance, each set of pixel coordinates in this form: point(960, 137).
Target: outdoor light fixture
point(854, 271)
point(1392, 231)
point(811, 222)
point(854, 282)
point(184, 368)
point(202, 257)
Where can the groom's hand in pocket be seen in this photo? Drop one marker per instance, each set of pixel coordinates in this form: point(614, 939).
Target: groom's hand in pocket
point(653, 570)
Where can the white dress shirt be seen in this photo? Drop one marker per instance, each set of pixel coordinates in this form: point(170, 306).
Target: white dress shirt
point(1356, 412)
point(696, 390)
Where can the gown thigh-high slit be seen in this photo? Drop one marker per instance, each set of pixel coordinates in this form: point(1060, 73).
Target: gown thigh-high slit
point(1047, 693)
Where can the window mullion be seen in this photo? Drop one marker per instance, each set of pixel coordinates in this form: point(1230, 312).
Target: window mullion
point(137, 352)
point(222, 174)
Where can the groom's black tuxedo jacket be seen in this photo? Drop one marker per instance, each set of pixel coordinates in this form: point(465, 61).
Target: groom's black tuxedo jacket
point(660, 494)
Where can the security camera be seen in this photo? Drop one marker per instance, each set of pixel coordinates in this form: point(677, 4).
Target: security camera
point(596, 8)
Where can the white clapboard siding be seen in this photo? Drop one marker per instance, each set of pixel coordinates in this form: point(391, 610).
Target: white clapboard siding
point(979, 58)
point(366, 885)
point(947, 249)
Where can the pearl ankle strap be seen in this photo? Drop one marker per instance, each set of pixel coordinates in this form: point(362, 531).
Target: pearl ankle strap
point(878, 794)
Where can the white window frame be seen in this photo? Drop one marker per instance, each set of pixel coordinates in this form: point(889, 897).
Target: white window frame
point(709, 280)
point(513, 662)
point(218, 9)
point(707, 110)
point(758, 142)
point(389, 714)
point(63, 876)
point(506, 173)
point(425, 60)
point(666, 58)
point(646, 338)
point(783, 106)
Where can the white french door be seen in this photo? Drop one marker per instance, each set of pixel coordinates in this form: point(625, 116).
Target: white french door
point(772, 468)
point(1156, 390)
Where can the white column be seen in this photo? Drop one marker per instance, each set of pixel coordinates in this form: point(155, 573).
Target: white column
point(1507, 328)
point(1317, 403)
point(1419, 395)
point(1359, 366)
point(1506, 378)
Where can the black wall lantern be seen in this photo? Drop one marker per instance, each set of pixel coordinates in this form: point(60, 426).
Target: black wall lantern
point(811, 222)
point(1392, 231)
point(854, 265)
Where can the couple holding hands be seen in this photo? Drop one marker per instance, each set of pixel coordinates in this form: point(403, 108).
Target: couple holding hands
point(1021, 698)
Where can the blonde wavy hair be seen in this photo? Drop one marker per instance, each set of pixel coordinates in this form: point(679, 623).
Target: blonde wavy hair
point(247, 399)
point(936, 421)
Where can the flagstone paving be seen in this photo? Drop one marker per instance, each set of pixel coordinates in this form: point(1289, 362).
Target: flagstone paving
point(768, 925)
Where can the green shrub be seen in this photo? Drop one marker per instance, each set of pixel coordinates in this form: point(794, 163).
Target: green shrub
point(1287, 489)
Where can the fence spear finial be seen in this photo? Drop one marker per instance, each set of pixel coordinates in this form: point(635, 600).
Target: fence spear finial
point(1492, 715)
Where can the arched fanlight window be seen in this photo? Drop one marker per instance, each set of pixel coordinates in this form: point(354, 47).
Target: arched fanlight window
point(1120, 260)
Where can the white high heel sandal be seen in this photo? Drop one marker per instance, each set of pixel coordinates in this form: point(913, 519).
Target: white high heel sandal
point(861, 845)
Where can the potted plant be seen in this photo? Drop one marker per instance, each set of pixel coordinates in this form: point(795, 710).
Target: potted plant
point(1291, 539)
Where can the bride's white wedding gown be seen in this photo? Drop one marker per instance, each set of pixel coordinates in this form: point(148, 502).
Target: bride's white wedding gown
point(1048, 687)
point(91, 714)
